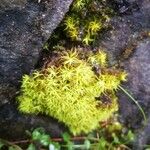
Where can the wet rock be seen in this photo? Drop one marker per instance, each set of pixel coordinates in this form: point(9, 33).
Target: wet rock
point(25, 25)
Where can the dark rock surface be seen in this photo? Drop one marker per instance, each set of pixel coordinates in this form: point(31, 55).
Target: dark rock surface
point(25, 25)
point(127, 28)
point(138, 67)
point(14, 124)
point(143, 138)
point(129, 43)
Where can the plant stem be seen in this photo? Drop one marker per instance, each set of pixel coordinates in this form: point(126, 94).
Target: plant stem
point(136, 102)
point(56, 140)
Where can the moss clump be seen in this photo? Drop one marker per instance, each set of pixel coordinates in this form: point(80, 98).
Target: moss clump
point(72, 92)
point(86, 18)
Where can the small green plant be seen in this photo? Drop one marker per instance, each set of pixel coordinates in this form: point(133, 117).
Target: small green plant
point(72, 92)
point(113, 137)
point(86, 18)
point(110, 137)
point(40, 139)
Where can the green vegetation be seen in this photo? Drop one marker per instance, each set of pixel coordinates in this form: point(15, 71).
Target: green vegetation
point(110, 137)
point(86, 18)
point(77, 88)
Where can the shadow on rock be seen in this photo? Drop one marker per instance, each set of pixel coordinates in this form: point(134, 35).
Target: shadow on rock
point(13, 124)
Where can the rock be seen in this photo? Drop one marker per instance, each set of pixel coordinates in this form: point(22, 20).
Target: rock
point(25, 25)
point(128, 42)
point(14, 124)
point(143, 138)
point(127, 28)
point(138, 68)
point(6, 4)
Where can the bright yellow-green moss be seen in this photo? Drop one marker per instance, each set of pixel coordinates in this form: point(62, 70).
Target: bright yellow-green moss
point(86, 18)
point(72, 92)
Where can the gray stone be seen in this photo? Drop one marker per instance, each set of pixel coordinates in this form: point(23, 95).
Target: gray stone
point(129, 43)
point(138, 68)
point(13, 125)
point(127, 28)
point(25, 25)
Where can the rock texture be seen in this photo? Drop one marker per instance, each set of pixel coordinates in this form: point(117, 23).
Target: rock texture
point(127, 28)
point(14, 124)
point(138, 67)
point(25, 25)
point(129, 43)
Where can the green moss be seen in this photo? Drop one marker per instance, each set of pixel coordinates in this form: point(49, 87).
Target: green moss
point(86, 18)
point(70, 91)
